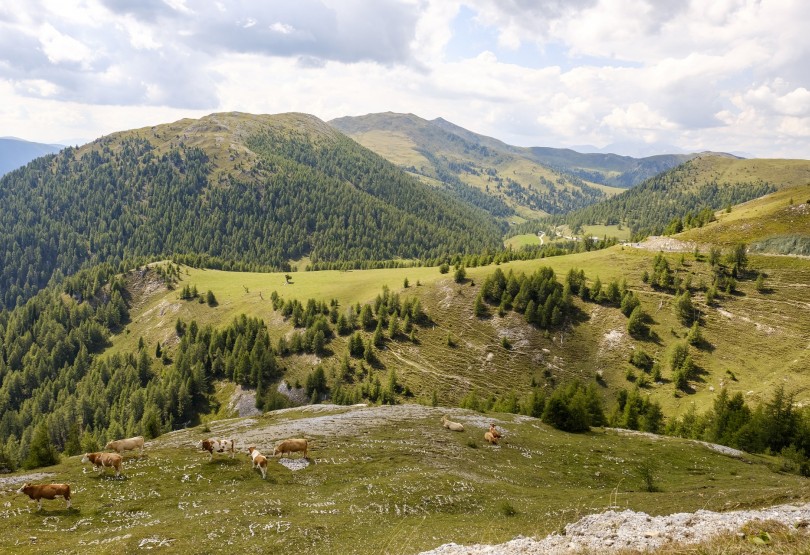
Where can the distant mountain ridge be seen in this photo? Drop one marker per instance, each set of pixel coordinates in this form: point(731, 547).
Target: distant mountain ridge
point(15, 153)
point(534, 181)
point(442, 153)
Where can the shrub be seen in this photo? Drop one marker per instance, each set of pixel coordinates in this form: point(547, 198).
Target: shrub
point(646, 470)
point(506, 508)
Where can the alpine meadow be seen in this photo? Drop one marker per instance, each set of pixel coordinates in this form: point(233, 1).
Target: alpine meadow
point(436, 278)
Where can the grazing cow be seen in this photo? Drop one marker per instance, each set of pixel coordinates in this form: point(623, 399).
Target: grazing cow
point(491, 439)
point(494, 431)
point(38, 492)
point(216, 446)
point(290, 446)
point(259, 460)
point(101, 461)
point(130, 444)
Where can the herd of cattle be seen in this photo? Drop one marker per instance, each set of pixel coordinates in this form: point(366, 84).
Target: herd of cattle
point(102, 460)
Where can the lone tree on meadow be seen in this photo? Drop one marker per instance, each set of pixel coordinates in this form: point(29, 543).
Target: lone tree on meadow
point(738, 258)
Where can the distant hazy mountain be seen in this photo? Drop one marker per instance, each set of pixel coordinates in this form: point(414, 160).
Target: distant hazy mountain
point(570, 179)
point(15, 153)
point(635, 149)
point(444, 154)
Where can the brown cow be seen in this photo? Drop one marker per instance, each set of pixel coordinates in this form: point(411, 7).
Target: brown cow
point(38, 492)
point(494, 431)
point(102, 460)
point(291, 446)
point(259, 460)
point(216, 446)
point(489, 437)
point(129, 444)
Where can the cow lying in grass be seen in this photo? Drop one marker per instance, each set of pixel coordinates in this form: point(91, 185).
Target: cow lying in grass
point(216, 446)
point(290, 446)
point(101, 461)
point(450, 425)
point(38, 492)
point(259, 460)
point(129, 444)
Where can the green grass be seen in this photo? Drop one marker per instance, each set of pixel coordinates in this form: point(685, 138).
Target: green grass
point(759, 337)
point(619, 232)
point(778, 214)
point(394, 484)
point(518, 241)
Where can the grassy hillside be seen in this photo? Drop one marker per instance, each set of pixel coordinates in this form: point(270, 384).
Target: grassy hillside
point(689, 194)
point(778, 223)
point(758, 337)
point(379, 480)
point(439, 151)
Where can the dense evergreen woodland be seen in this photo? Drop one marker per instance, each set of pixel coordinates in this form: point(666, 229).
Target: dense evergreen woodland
point(59, 393)
point(667, 203)
point(329, 199)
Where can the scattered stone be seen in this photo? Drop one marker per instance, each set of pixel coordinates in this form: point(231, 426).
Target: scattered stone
point(635, 531)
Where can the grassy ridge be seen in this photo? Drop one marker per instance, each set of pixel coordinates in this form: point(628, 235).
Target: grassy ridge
point(759, 338)
point(383, 480)
point(785, 212)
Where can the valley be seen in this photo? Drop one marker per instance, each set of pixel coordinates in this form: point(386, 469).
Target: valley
point(264, 277)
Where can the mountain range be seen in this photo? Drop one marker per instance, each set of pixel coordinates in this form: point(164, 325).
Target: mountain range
point(151, 284)
point(15, 153)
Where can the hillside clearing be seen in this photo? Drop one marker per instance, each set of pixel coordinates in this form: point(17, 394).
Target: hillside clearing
point(380, 479)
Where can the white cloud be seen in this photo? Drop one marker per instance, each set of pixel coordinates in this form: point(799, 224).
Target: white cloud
point(282, 28)
point(59, 47)
point(725, 75)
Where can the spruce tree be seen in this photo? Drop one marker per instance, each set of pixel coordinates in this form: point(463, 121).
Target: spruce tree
point(41, 451)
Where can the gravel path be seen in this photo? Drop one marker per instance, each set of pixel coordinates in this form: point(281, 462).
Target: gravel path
point(611, 531)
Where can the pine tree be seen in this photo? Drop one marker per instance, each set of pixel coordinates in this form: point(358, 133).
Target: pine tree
point(41, 451)
point(694, 337)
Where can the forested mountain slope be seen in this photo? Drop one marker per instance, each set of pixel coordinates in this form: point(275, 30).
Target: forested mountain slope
point(247, 191)
point(532, 181)
point(688, 195)
point(442, 153)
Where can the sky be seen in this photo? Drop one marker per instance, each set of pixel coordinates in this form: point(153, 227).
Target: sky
point(638, 76)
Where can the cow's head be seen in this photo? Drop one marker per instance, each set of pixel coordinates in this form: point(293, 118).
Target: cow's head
point(86, 458)
point(251, 449)
point(109, 445)
point(22, 489)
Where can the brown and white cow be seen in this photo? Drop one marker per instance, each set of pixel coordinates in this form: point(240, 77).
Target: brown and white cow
point(129, 444)
point(216, 446)
point(104, 460)
point(38, 492)
point(259, 460)
point(291, 446)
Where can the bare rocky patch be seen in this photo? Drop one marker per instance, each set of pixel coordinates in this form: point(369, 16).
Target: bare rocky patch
point(612, 531)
